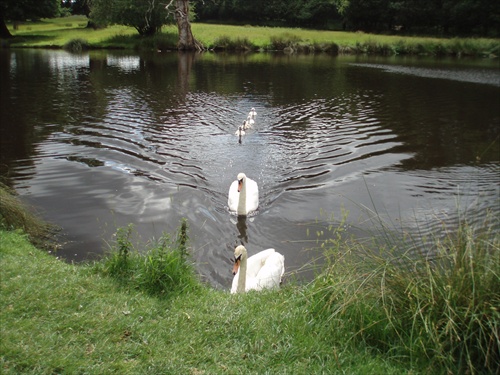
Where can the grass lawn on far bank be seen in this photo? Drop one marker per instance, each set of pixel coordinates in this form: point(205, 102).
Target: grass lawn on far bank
point(58, 32)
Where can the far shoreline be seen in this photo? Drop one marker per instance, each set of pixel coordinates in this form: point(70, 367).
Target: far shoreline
point(70, 33)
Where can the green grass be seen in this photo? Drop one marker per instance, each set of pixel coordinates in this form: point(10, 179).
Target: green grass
point(381, 305)
point(61, 31)
point(433, 302)
point(161, 269)
point(62, 318)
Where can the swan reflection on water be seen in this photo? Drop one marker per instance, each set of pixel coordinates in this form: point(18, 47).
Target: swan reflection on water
point(242, 228)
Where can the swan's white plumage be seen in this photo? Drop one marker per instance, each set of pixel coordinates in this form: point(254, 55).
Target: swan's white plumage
point(252, 114)
point(263, 270)
point(240, 131)
point(247, 199)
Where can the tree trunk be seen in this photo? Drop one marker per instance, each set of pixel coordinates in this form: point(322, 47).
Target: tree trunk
point(186, 38)
point(4, 31)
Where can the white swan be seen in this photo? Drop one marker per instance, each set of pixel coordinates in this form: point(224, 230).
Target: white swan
point(260, 271)
point(243, 195)
point(247, 124)
point(250, 120)
point(240, 131)
point(252, 114)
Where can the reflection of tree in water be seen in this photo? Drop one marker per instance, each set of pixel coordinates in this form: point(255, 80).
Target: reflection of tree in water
point(185, 64)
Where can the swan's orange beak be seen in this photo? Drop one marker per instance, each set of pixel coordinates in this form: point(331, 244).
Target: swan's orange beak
point(236, 265)
point(240, 185)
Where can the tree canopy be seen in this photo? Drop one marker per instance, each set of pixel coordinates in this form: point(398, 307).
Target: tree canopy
point(444, 17)
point(437, 17)
point(146, 16)
point(22, 10)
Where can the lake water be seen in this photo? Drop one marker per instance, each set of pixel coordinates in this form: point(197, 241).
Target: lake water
point(99, 140)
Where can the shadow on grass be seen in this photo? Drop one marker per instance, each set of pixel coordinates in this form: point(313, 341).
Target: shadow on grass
point(161, 41)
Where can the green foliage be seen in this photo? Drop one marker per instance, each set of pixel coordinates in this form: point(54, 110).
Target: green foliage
point(55, 33)
point(282, 41)
point(16, 10)
point(77, 45)
point(163, 270)
point(374, 48)
point(446, 17)
point(147, 17)
point(118, 263)
point(229, 44)
point(158, 42)
point(451, 302)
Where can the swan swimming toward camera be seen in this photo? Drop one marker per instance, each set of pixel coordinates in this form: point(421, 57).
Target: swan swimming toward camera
point(261, 271)
point(243, 195)
point(252, 114)
point(240, 131)
point(250, 120)
point(247, 124)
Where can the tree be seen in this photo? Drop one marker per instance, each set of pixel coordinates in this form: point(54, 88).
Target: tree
point(146, 16)
point(78, 6)
point(186, 38)
point(18, 11)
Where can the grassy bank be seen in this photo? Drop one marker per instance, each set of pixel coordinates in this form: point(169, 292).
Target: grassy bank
point(60, 318)
point(72, 33)
point(144, 311)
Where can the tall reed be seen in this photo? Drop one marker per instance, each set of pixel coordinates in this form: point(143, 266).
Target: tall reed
point(441, 311)
point(163, 268)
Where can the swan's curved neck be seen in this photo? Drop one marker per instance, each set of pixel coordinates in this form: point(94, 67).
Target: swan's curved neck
point(242, 200)
point(242, 277)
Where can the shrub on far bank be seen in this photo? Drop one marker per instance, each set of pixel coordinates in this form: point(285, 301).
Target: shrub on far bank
point(284, 40)
point(227, 43)
point(77, 45)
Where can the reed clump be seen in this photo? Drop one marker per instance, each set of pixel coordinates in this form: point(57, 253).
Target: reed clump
point(163, 268)
point(438, 309)
point(77, 45)
point(227, 43)
point(284, 41)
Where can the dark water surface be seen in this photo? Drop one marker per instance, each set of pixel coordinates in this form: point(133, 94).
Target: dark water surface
point(100, 140)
